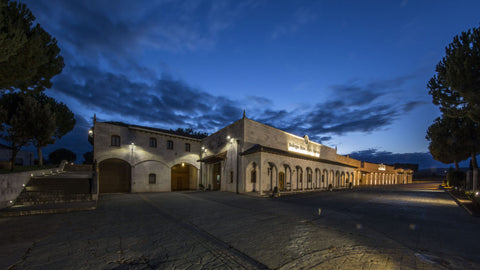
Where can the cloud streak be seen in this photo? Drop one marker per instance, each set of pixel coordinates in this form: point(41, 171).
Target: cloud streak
point(172, 102)
point(425, 160)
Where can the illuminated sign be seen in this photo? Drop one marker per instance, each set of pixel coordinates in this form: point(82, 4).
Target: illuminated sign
point(302, 150)
point(381, 167)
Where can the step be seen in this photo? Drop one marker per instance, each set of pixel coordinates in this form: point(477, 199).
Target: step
point(48, 208)
point(31, 198)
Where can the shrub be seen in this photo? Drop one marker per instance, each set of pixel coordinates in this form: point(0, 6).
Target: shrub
point(456, 178)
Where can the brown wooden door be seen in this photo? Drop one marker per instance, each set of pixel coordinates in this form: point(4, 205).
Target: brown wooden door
point(180, 177)
point(114, 176)
point(281, 180)
point(216, 181)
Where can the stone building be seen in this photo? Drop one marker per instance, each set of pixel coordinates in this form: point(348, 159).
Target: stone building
point(246, 156)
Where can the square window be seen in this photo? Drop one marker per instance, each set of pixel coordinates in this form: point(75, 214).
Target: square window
point(153, 142)
point(152, 178)
point(115, 140)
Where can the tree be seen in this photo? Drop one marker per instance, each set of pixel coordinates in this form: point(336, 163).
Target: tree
point(88, 157)
point(456, 86)
point(29, 56)
point(446, 144)
point(17, 111)
point(58, 155)
point(52, 123)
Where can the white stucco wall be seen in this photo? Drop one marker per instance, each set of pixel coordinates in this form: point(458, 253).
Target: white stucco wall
point(143, 158)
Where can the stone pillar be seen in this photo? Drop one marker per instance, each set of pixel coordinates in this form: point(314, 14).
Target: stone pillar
point(468, 182)
point(259, 171)
point(475, 180)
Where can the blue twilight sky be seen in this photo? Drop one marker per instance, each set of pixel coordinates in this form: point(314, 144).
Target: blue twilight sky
point(350, 74)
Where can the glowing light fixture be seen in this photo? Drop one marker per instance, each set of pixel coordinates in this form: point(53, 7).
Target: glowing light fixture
point(303, 151)
point(183, 164)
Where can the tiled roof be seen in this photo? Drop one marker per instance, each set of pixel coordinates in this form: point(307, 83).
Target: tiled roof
point(259, 148)
point(173, 132)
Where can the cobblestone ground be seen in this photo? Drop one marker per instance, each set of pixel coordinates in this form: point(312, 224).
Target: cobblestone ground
point(362, 229)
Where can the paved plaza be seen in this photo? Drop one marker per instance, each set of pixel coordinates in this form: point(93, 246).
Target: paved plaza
point(401, 227)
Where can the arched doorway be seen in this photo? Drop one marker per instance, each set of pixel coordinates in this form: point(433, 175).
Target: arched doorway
point(281, 181)
point(114, 175)
point(183, 177)
point(217, 176)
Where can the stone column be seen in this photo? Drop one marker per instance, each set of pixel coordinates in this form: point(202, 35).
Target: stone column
point(259, 170)
point(475, 179)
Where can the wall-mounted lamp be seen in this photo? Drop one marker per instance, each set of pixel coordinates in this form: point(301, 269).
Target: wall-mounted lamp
point(90, 132)
point(132, 146)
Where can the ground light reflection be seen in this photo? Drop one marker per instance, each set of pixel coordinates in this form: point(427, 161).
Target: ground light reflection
point(414, 200)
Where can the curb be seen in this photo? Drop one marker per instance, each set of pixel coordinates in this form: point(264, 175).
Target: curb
point(460, 203)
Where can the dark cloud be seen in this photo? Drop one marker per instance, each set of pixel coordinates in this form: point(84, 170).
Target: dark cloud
point(115, 34)
point(424, 160)
point(172, 102)
point(165, 101)
point(413, 104)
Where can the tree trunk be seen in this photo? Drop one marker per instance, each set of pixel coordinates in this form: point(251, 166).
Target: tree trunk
point(474, 161)
point(456, 165)
point(40, 156)
point(15, 150)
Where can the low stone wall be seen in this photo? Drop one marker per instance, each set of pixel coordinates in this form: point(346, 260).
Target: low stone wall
point(12, 184)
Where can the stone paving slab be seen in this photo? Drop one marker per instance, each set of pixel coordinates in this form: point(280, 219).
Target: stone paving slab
point(217, 230)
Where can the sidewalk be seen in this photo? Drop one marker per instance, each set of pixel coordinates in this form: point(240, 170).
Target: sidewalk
point(462, 200)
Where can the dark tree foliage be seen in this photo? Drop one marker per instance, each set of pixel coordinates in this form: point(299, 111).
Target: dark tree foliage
point(447, 140)
point(16, 111)
point(456, 86)
point(88, 157)
point(191, 132)
point(58, 155)
point(53, 125)
point(29, 56)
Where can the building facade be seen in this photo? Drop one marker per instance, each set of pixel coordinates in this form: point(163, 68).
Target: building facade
point(246, 156)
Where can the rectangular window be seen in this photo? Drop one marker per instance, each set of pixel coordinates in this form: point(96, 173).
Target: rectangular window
point(170, 145)
point(153, 142)
point(115, 141)
point(152, 178)
point(187, 147)
point(231, 176)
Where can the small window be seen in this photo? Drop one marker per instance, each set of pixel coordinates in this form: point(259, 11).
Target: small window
point(253, 176)
point(187, 147)
point(170, 145)
point(152, 178)
point(115, 140)
point(153, 142)
point(231, 176)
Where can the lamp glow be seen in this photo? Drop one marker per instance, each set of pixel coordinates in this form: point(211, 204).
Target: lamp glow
point(302, 151)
